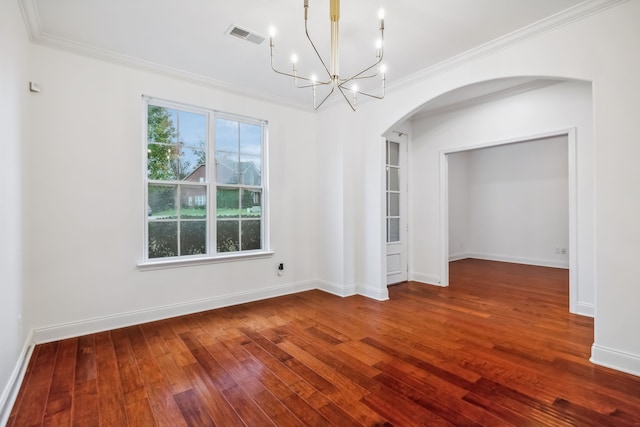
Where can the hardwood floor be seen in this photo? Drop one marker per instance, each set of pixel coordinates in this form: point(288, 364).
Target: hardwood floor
point(498, 347)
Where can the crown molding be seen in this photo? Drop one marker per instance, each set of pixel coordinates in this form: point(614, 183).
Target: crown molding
point(31, 18)
point(560, 19)
point(38, 36)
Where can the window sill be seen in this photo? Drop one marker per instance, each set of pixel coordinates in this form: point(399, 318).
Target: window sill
point(187, 262)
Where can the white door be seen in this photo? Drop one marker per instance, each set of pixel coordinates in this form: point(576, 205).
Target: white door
point(396, 211)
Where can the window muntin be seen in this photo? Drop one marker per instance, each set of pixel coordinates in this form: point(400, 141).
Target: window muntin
point(199, 203)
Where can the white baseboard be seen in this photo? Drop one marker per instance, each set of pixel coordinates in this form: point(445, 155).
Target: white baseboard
point(614, 359)
point(426, 278)
point(586, 309)
point(335, 289)
point(373, 293)
point(10, 392)
point(105, 323)
point(458, 256)
point(514, 259)
point(349, 290)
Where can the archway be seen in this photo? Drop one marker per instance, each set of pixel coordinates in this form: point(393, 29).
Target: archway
point(493, 113)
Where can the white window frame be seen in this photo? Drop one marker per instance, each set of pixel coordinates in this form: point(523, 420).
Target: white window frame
point(212, 256)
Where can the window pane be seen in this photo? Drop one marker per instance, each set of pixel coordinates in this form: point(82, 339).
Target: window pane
point(251, 235)
point(193, 237)
point(394, 204)
point(393, 225)
point(162, 161)
point(251, 204)
point(394, 179)
point(161, 124)
point(251, 139)
point(228, 203)
point(192, 164)
point(228, 236)
point(227, 166)
point(163, 239)
point(250, 173)
point(394, 154)
point(192, 128)
point(193, 201)
point(162, 201)
point(227, 135)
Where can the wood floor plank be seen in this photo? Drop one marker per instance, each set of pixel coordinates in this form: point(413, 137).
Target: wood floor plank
point(33, 399)
point(437, 396)
point(166, 361)
point(159, 395)
point(111, 406)
point(497, 347)
point(193, 410)
point(246, 373)
point(247, 409)
point(58, 409)
point(85, 404)
point(214, 401)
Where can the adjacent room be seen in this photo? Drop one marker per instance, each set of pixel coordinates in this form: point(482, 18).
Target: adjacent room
point(404, 213)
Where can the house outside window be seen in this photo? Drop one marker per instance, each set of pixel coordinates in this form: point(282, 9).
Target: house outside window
point(205, 183)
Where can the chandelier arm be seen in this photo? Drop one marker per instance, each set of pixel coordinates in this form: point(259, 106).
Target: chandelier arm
point(328, 82)
point(306, 31)
point(359, 75)
point(375, 64)
point(373, 96)
point(271, 46)
point(346, 98)
point(324, 99)
point(370, 76)
point(295, 76)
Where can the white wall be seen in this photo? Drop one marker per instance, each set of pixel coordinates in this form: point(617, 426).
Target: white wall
point(84, 201)
point(13, 90)
point(601, 48)
point(511, 203)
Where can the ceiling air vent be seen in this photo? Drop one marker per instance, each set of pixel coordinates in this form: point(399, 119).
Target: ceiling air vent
point(243, 34)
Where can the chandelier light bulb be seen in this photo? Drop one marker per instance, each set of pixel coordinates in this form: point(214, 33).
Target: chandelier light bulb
point(314, 79)
point(294, 58)
point(272, 31)
point(354, 89)
point(380, 14)
point(383, 68)
point(378, 43)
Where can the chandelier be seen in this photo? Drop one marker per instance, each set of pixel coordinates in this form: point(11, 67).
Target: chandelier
point(346, 86)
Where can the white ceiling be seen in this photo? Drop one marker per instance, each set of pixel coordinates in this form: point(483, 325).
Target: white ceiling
point(188, 36)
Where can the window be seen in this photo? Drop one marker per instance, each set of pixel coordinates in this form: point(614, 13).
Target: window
point(204, 183)
point(393, 192)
